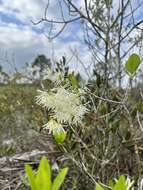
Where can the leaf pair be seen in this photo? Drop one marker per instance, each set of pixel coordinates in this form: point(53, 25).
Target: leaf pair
point(42, 180)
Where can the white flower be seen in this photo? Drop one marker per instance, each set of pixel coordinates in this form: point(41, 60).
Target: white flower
point(45, 99)
point(53, 126)
point(66, 105)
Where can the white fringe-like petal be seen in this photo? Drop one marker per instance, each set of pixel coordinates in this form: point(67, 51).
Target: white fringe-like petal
point(66, 105)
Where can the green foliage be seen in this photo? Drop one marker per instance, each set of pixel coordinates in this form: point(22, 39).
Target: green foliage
point(73, 80)
point(59, 179)
point(121, 184)
point(16, 97)
point(42, 62)
point(42, 180)
point(132, 64)
point(20, 118)
point(103, 145)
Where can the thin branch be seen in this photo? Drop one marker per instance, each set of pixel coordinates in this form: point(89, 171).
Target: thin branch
point(57, 34)
point(93, 24)
point(56, 21)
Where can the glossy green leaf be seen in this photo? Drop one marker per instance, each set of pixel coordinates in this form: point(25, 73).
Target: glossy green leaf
point(59, 179)
point(132, 64)
point(43, 177)
point(31, 177)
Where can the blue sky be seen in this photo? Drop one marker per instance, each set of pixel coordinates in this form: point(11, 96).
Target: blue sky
point(20, 41)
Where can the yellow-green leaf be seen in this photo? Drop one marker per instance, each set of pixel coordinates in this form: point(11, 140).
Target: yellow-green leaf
point(31, 177)
point(43, 178)
point(98, 187)
point(132, 64)
point(59, 179)
point(73, 80)
point(120, 184)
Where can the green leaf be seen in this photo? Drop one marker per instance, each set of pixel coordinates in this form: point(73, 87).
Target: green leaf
point(31, 177)
point(120, 184)
point(111, 183)
point(98, 187)
point(43, 178)
point(132, 64)
point(73, 80)
point(59, 179)
point(60, 136)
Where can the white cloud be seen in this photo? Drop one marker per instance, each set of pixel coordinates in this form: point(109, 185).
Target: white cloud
point(23, 10)
point(26, 43)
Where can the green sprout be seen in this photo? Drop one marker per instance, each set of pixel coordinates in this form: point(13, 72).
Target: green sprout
point(42, 180)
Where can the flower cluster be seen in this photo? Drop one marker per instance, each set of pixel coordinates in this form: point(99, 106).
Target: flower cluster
point(66, 105)
point(53, 127)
